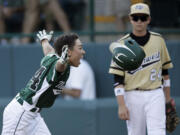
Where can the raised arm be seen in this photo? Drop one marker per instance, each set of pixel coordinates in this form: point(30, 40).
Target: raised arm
point(44, 39)
point(47, 48)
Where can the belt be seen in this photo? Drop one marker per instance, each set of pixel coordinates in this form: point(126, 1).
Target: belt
point(146, 89)
point(35, 109)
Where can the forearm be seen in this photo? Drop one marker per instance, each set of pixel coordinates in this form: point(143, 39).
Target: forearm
point(167, 89)
point(47, 48)
point(120, 98)
point(71, 92)
point(59, 15)
point(2, 23)
point(167, 93)
point(123, 112)
point(31, 16)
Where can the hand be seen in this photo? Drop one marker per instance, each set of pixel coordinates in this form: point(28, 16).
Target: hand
point(64, 55)
point(172, 119)
point(43, 35)
point(123, 112)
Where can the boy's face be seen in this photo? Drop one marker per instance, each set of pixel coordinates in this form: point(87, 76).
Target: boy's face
point(140, 22)
point(76, 53)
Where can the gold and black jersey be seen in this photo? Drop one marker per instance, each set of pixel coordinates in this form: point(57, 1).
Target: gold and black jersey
point(149, 74)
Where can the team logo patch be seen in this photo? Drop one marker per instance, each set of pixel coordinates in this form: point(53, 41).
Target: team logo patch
point(140, 7)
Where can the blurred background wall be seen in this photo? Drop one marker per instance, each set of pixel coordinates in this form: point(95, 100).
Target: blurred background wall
point(97, 117)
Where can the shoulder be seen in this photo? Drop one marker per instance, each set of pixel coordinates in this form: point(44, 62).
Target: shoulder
point(49, 58)
point(158, 35)
point(123, 38)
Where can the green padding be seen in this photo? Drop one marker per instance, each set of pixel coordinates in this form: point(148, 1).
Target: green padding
point(97, 117)
point(78, 118)
point(107, 118)
point(6, 71)
point(174, 51)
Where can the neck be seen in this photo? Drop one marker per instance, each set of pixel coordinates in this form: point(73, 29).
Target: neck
point(139, 33)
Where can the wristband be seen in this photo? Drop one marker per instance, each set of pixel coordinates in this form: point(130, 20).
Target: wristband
point(167, 83)
point(119, 91)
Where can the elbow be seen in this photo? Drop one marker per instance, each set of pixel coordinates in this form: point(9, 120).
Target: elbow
point(77, 95)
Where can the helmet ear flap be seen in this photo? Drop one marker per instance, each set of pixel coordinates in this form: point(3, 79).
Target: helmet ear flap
point(129, 42)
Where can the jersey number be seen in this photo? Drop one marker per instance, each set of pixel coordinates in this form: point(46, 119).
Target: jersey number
point(155, 74)
point(36, 78)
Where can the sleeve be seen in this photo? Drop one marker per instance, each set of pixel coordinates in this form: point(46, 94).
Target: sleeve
point(118, 80)
point(114, 69)
point(48, 58)
point(165, 72)
point(50, 61)
point(53, 74)
point(165, 58)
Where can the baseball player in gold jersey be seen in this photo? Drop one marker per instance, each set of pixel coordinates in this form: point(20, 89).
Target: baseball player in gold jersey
point(141, 95)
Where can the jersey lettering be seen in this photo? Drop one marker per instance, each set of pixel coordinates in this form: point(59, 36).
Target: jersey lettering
point(60, 85)
point(36, 78)
point(155, 75)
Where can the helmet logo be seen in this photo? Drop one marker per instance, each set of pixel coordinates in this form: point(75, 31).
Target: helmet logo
point(118, 55)
point(128, 49)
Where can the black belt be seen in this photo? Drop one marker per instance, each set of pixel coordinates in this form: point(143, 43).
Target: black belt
point(147, 89)
point(35, 109)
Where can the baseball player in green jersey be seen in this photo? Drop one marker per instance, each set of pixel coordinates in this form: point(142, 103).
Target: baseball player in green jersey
point(140, 93)
point(21, 116)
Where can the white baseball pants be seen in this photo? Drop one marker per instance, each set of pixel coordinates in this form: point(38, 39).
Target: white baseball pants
point(147, 110)
point(17, 121)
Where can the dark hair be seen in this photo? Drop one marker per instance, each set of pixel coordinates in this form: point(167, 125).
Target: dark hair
point(65, 39)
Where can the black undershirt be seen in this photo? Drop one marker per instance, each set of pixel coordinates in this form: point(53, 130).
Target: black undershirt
point(141, 41)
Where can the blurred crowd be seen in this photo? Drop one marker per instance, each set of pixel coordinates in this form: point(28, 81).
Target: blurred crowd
point(27, 16)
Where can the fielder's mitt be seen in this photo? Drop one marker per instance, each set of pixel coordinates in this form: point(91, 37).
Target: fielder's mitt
point(172, 120)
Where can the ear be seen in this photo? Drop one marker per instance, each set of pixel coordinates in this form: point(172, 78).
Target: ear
point(129, 17)
point(69, 52)
point(149, 19)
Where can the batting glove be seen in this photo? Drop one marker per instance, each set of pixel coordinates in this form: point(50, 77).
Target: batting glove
point(43, 35)
point(64, 55)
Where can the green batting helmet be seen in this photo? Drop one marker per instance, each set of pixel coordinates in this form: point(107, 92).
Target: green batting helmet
point(127, 56)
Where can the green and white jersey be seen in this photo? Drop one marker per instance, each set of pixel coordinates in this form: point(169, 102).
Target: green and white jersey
point(43, 88)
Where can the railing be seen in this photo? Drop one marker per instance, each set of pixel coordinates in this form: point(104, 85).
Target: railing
point(91, 32)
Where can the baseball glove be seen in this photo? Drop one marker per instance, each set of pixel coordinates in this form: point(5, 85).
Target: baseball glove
point(172, 120)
